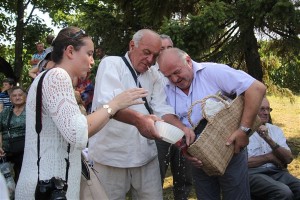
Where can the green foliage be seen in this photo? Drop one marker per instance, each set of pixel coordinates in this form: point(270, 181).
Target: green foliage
point(287, 76)
point(224, 31)
point(35, 32)
point(281, 74)
point(208, 30)
point(114, 39)
point(201, 34)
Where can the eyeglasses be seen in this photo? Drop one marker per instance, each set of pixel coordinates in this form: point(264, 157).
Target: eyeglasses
point(78, 33)
point(262, 109)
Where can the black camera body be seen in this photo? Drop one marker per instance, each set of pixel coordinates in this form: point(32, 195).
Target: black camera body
point(53, 189)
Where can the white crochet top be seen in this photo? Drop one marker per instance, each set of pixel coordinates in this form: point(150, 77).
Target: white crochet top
point(62, 123)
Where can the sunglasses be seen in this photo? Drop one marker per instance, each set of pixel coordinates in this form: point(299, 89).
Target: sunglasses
point(78, 33)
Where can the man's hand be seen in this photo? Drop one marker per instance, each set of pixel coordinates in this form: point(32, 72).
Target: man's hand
point(181, 144)
point(239, 139)
point(195, 161)
point(263, 132)
point(189, 135)
point(146, 126)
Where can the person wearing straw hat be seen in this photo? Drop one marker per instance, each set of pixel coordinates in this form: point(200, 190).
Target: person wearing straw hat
point(190, 81)
point(268, 157)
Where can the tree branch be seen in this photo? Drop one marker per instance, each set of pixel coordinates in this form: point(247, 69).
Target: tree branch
point(30, 15)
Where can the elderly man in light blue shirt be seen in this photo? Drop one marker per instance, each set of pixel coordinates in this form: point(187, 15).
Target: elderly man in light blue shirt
point(190, 81)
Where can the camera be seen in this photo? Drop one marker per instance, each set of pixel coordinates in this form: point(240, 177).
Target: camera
point(53, 189)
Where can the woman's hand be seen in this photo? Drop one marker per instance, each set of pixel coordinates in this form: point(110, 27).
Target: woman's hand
point(128, 98)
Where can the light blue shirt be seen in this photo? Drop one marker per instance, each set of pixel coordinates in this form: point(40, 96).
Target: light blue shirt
point(209, 78)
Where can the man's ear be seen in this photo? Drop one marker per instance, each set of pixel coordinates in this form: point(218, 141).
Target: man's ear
point(131, 45)
point(188, 60)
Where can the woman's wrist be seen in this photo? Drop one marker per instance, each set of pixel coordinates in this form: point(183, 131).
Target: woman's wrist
point(109, 110)
point(114, 106)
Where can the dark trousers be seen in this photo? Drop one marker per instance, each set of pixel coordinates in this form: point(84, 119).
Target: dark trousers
point(17, 160)
point(267, 184)
point(234, 184)
point(181, 169)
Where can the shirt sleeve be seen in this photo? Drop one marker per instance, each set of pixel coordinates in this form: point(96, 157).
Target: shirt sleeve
point(59, 98)
point(229, 80)
point(159, 97)
point(108, 81)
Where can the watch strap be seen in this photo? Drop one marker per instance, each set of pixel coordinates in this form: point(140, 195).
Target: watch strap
point(246, 130)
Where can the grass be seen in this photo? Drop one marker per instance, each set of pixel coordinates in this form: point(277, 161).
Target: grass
point(284, 115)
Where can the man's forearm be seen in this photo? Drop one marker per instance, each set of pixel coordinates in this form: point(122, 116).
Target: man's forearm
point(258, 160)
point(284, 155)
point(128, 116)
point(253, 97)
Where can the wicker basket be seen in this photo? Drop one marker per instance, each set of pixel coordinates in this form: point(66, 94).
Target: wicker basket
point(210, 146)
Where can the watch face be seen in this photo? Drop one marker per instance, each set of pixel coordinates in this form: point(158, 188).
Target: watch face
point(109, 110)
point(246, 130)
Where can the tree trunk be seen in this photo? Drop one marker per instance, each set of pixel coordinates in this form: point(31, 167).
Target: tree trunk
point(250, 46)
point(18, 68)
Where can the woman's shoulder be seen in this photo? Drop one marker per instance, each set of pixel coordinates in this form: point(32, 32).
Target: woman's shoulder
point(56, 74)
point(57, 70)
point(5, 111)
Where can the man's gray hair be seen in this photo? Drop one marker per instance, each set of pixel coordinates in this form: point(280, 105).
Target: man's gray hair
point(139, 35)
point(164, 36)
point(181, 54)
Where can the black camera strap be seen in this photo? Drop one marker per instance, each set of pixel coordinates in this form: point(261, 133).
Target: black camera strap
point(135, 79)
point(38, 125)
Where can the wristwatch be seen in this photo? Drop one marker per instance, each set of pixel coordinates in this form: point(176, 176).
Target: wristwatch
point(109, 110)
point(246, 130)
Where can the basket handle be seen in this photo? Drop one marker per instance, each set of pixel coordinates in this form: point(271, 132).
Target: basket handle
point(203, 102)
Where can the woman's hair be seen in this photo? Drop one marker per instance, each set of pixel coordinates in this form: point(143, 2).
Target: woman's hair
point(17, 88)
point(68, 36)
